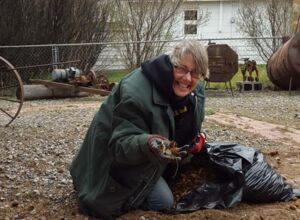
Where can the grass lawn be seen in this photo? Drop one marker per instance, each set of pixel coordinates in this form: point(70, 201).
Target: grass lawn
point(116, 76)
point(263, 78)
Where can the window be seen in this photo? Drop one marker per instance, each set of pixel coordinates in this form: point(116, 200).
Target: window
point(190, 29)
point(190, 21)
point(190, 15)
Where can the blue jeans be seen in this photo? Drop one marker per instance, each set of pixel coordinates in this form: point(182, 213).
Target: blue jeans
point(160, 198)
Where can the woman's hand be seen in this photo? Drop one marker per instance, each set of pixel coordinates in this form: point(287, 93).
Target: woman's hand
point(163, 148)
point(197, 144)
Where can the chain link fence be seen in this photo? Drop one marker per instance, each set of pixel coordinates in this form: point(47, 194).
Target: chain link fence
point(102, 57)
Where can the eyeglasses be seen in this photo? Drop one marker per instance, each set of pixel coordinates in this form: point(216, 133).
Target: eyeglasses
point(180, 70)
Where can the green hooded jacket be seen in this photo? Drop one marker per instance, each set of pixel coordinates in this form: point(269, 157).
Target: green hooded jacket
point(114, 170)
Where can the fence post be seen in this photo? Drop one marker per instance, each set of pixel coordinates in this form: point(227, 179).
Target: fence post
point(55, 56)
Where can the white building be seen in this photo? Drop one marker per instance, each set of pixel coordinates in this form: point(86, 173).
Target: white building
point(220, 24)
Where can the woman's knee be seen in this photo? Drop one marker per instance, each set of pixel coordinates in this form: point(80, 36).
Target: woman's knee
point(161, 197)
point(167, 201)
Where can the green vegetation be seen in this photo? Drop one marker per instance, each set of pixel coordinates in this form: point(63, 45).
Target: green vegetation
point(263, 78)
point(209, 111)
point(46, 75)
point(116, 76)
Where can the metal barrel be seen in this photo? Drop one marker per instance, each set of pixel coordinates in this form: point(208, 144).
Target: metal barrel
point(223, 62)
point(283, 67)
point(59, 75)
point(63, 75)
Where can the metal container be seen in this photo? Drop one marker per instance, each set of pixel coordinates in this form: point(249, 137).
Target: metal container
point(223, 62)
point(63, 75)
point(59, 75)
point(283, 67)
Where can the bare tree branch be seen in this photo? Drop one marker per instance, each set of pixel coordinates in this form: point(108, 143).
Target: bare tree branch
point(269, 18)
point(24, 22)
point(143, 21)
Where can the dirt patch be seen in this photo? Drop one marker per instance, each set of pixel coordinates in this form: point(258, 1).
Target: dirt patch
point(269, 130)
point(38, 147)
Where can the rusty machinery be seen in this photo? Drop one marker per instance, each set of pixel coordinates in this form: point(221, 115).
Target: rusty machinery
point(223, 63)
point(283, 67)
point(250, 67)
point(12, 90)
point(76, 77)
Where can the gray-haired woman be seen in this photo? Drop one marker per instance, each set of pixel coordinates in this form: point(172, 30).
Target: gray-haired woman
point(121, 162)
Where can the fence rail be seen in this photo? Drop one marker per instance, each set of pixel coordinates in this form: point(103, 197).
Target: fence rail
point(106, 56)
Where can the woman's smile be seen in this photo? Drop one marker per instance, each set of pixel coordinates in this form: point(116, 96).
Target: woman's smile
point(184, 83)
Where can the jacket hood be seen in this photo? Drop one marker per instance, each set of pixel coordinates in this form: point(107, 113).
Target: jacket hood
point(159, 71)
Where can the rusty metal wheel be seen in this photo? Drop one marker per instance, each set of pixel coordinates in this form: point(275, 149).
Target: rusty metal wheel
point(103, 82)
point(92, 76)
point(10, 84)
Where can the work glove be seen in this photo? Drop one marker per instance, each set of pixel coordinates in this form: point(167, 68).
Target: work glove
point(197, 144)
point(164, 149)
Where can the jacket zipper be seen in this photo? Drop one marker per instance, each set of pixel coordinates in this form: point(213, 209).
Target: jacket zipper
point(138, 195)
point(195, 111)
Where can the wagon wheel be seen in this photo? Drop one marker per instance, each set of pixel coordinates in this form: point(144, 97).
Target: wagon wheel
point(103, 82)
point(11, 92)
point(93, 78)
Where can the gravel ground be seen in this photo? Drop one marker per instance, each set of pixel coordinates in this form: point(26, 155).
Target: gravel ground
point(276, 107)
point(37, 148)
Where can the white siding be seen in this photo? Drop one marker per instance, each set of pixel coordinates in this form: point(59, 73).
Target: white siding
point(222, 19)
point(221, 25)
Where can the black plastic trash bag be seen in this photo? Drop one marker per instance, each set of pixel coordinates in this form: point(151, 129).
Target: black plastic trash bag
point(243, 175)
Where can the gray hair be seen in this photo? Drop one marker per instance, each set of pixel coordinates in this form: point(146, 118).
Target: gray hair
point(197, 51)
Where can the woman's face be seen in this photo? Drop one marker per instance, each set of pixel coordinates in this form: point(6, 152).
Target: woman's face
point(185, 76)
